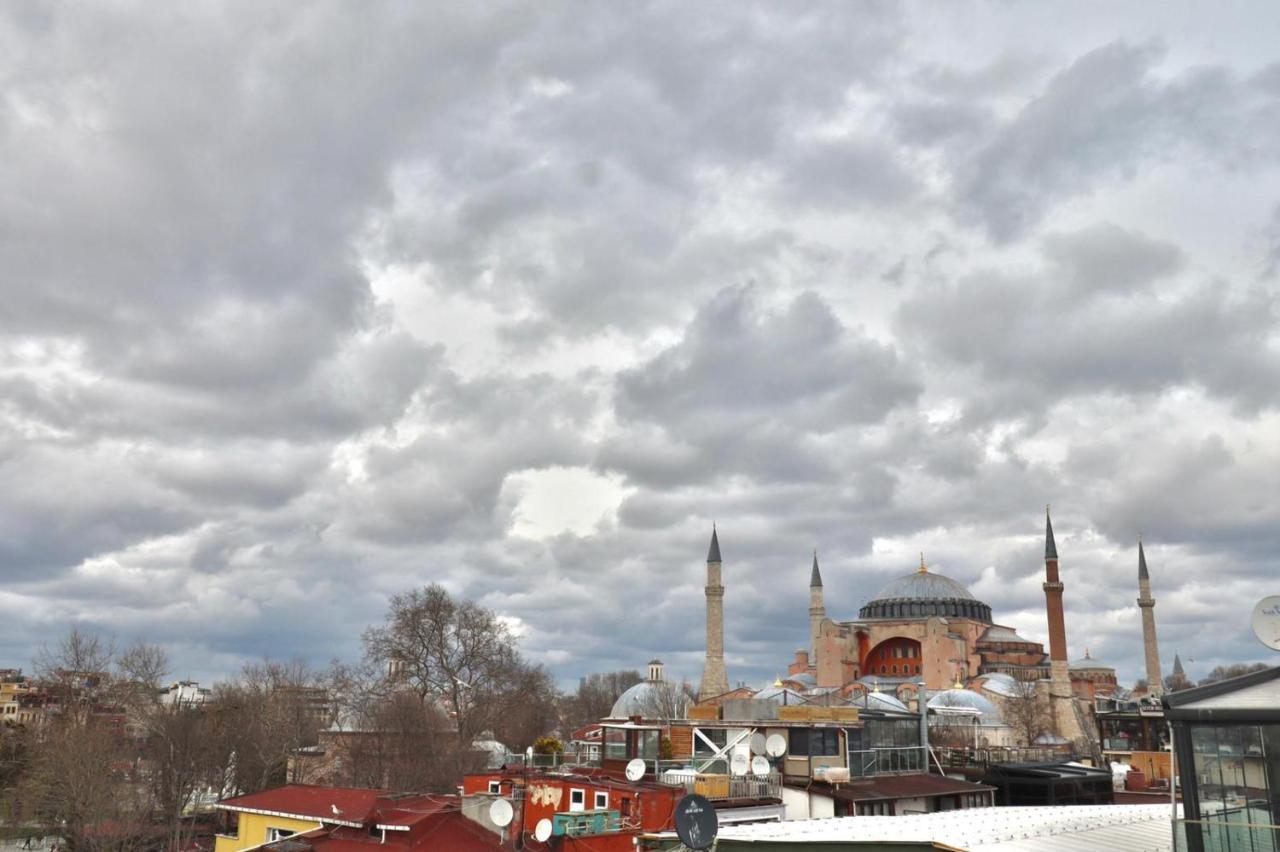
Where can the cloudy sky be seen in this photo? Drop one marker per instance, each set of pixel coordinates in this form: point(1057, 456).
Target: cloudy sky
point(307, 304)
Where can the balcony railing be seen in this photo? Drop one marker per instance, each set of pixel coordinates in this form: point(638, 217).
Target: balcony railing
point(888, 761)
point(726, 787)
point(959, 758)
point(1228, 831)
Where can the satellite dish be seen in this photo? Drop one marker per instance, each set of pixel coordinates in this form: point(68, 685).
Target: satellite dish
point(760, 765)
point(635, 769)
point(501, 813)
point(1266, 622)
point(757, 743)
point(776, 745)
point(696, 822)
point(739, 763)
point(542, 831)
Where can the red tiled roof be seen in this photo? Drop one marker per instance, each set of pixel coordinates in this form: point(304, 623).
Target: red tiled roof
point(306, 801)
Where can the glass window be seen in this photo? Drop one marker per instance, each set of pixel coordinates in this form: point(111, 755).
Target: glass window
point(601, 801)
point(719, 736)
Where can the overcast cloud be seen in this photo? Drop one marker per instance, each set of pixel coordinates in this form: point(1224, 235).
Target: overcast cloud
point(302, 305)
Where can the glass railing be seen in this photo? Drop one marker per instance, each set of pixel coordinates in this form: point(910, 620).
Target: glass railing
point(884, 761)
point(1238, 830)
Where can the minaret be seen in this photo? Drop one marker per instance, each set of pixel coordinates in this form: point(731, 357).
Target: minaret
point(817, 609)
point(1053, 596)
point(1066, 715)
point(714, 680)
point(1155, 684)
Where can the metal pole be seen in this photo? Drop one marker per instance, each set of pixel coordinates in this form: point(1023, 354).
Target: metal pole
point(923, 707)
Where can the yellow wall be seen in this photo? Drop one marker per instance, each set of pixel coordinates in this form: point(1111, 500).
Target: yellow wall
point(253, 831)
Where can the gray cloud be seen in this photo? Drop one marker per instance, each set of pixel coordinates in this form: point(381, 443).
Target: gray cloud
point(297, 304)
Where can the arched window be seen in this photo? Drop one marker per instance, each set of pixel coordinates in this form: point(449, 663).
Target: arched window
point(895, 668)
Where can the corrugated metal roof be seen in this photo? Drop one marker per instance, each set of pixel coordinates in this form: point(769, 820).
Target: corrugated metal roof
point(1044, 829)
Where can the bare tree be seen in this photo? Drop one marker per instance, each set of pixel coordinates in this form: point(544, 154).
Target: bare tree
point(1027, 711)
point(263, 717)
point(596, 695)
point(1227, 672)
point(455, 652)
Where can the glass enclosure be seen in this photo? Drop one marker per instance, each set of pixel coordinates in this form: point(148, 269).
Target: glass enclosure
point(1234, 789)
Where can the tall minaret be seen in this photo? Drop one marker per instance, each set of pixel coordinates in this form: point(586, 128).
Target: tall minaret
point(1066, 715)
point(714, 680)
point(1155, 684)
point(1053, 596)
point(817, 609)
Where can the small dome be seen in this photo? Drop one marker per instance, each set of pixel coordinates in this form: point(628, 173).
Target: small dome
point(804, 678)
point(967, 698)
point(642, 699)
point(780, 694)
point(1088, 662)
point(878, 701)
point(1001, 684)
point(999, 633)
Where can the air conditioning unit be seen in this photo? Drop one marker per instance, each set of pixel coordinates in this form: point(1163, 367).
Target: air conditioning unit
point(832, 774)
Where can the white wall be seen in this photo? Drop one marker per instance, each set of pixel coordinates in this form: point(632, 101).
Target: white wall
point(796, 803)
point(821, 807)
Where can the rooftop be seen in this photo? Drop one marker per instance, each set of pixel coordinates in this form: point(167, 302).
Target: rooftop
point(1004, 829)
point(339, 805)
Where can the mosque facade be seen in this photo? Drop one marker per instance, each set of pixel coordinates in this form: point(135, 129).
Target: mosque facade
point(927, 628)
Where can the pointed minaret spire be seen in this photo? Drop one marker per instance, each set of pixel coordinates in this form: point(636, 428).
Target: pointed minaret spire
point(1050, 546)
point(714, 679)
point(1053, 596)
point(1177, 667)
point(1147, 606)
point(817, 610)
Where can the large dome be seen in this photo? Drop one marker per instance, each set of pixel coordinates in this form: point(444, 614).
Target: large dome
point(923, 593)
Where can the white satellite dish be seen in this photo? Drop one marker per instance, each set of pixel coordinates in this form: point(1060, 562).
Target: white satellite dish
point(1266, 622)
point(739, 763)
point(760, 765)
point(757, 743)
point(542, 831)
point(501, 813)
point(635, 769)
point(775, 745)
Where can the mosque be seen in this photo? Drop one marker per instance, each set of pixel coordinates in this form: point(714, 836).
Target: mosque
point(927, 629)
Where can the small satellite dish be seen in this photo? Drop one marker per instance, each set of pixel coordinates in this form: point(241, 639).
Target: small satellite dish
point(696, 822)
point(1266, 622)
point(757, 743)
point(542, 831)
point(760, 765)
point(776, 745)
point(635, 769)
point(501, 813)
point(739, 763)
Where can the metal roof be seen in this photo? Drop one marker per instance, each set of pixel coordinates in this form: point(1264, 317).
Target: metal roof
point(1003, 829)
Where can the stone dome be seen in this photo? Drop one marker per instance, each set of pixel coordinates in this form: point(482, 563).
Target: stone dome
point(967, 699)
point(923, 593)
